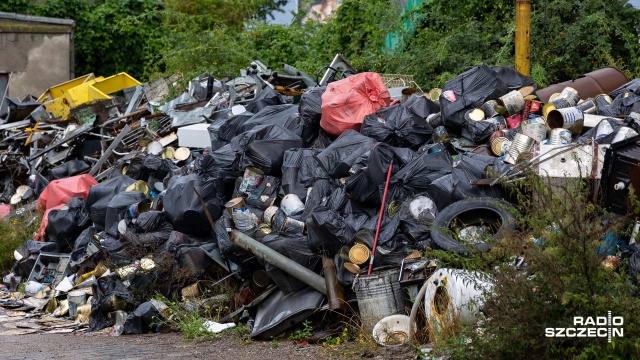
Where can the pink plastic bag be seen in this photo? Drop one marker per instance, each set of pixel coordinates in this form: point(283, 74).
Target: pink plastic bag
point(346, 102)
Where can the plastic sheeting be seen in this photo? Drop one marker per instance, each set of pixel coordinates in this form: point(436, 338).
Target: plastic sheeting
point(346, 102)
point(69, 168)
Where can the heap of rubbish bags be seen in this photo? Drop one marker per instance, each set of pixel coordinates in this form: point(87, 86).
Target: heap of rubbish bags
point(316, 195)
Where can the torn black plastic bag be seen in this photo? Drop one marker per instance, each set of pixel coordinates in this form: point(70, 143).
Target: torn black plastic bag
point(622, 105)
point(268, 155)
point(291, 164)
point(214, 130)
point(310, 110)
point(136, 169)
point(364, 186)
point(267, 97)
point(327, 231)
point(296, 249)
point(183, 207)
point(68, 169)
point(265, 194)
point(416, 216)
point(101, 194)
point(240, 143)
point(632, 86)
point(478, 131)
point(150, 230)
point(319, 195)
point(66, 223)
point(396, 126)
point(143, 319)
point(285, 115)
point(104, 291)
point(441, 189)
point(468, 90)
point(117, 208)
point(421, 107)
point(224, 164)
point(512, 78)
point(229, 128)
point(469, 167)
point(416, 176)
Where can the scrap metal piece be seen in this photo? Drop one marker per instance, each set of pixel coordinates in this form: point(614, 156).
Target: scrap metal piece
point(107, 153)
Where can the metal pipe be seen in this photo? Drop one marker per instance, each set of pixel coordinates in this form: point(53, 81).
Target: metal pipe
point(335, 292)
point(523, 25)
point(280, 261)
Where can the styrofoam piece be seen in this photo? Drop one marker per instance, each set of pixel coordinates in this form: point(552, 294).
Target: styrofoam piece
point(194, 136)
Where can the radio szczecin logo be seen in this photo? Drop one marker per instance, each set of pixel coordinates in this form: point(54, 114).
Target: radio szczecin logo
point(591, 327)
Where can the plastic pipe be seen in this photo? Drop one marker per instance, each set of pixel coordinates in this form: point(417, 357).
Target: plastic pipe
point(280, 261)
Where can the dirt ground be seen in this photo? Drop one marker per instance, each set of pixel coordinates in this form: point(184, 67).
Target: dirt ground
point(83, 346)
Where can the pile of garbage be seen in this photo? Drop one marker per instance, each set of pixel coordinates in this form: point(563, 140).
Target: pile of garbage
point(315, 194)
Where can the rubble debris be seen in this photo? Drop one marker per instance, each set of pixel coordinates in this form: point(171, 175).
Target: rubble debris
point(291, 189)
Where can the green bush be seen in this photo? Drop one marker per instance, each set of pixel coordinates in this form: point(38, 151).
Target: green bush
point(13, 233)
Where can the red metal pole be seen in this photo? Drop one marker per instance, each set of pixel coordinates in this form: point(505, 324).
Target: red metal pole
point(384, 200)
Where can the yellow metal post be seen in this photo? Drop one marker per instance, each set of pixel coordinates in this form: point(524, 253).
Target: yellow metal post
point(523, 24)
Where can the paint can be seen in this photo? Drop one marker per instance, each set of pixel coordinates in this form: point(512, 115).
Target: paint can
point(291, 226)
point(359, 254)
point(569, 118)
point(489, 108)
point(244, 219)
point(235, 203)
point(514, 121)
point(587, 106)
point(535, 130)
point(500, 145)
point(168, 153)
point(136, 209)
point(561, 103)
point(250, 180)
point(268, 214)
point(262, 231)
point(513, 102)
point(560, 136)
point(182, 154)
point(521, 144)
point(434, 94)
point(291, 205)
point(547, 108)
point(602, 101)
point(571, 95)
point(139, 185)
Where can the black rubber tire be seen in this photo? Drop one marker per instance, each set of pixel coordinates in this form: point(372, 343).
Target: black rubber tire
point(471, 212)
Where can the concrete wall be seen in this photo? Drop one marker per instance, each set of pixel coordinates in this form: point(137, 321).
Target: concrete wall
point(37, 53)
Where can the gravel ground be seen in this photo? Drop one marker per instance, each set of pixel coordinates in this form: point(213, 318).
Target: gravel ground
point(173, 346)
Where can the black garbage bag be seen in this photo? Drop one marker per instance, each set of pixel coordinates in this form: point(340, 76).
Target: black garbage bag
point(214, 134)
point(143, 319)
point(389, 230)
point(285, 115)
point(261, 132)
point(512, 78)
point(68, 169)
point(183, 207)
point(470, 166)
point(420, 107)
point(310, 110)
point(324, 140)
point(364, 186)
point(478, 131)
point(632, 86)
point(416, 216)
point(319, 195)
point(150, 230)
point(117, 208)
point(229, 129)
point(337, 158)
point(291, 164)
point(416, 176)
point(441, 190)
point(267, 97)
point(115, 249)
point(265, 194)
point(469, 90)
point(104, 290)
point(615, 124)
point(296, 249)
point(268, 155)
point(101, 194)
point(225, 164)
point(66, 223)
point(396, 126)
point(624, 104)
point(136, 169)
point(327, 231)
point(157, 166)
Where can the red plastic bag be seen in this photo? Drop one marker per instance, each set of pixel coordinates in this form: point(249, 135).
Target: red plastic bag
point(346, 102)
point(58, 193)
